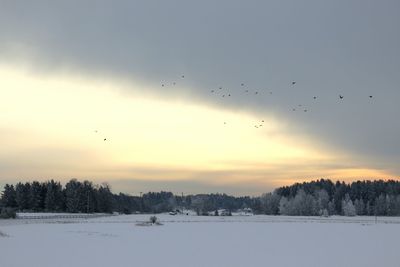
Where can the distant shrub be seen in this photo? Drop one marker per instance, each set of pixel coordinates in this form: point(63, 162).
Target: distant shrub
point(153, 219)
point(8, 213)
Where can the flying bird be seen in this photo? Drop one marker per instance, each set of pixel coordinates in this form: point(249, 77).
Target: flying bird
point(242, 84)
point(315, 97)
point(105, 139)
point(341, 97)
point(293, 83)
point(370, 96)
point(183, 76)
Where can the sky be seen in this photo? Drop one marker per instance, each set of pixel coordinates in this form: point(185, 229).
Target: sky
point(146, 76)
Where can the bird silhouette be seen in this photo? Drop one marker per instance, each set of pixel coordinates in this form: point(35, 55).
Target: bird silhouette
point(293, 83)
point(220, 88)
point(370, 96)
point(183, 76)
point(242, 84)
point(105, 139)
point(256, 93)
point(315, 97)
point(341, 97)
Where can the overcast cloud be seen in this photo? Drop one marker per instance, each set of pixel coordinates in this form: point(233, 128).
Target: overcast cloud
point(329, 48)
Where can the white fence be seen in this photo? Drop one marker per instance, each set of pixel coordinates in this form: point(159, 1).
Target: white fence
point(60, 216)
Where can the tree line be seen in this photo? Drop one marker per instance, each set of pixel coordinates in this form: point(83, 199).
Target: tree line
point(321, 197)
point(86, 197)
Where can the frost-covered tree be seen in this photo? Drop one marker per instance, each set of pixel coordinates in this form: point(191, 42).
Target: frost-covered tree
point(322, 200)
point(348, 208)
point(283, 206)
point(270, 203)
point(380, 205)
point(331, 207)
point(304, 204)
point(359, 206)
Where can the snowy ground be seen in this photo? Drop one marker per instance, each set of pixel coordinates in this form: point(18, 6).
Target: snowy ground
point(200, 241)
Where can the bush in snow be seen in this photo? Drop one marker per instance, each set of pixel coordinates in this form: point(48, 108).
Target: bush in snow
point(153, 219)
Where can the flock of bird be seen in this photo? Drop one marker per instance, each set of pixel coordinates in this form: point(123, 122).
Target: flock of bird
point(224, 94)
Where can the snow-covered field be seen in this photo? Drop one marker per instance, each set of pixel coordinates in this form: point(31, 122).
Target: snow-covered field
point(200, 241)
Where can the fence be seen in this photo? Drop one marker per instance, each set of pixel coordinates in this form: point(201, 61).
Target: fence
point(61, 216)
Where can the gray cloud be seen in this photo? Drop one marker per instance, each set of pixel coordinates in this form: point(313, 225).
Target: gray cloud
point(328, 47)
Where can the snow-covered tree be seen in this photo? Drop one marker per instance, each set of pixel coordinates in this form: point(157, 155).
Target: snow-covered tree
point(348, 208)
point(359, 206)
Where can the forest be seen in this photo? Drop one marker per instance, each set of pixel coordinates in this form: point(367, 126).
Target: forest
point(317, 198)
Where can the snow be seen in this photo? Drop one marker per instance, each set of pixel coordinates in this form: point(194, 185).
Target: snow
point(200, 241)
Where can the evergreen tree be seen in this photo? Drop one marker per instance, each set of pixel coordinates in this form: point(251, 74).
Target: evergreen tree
point(104, 199)
point(8, 198)
point(72, 190)
point(54, 200)
point(22, 196)
point(35, 196)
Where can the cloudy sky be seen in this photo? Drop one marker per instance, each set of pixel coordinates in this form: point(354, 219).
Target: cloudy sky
point(146, 76)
